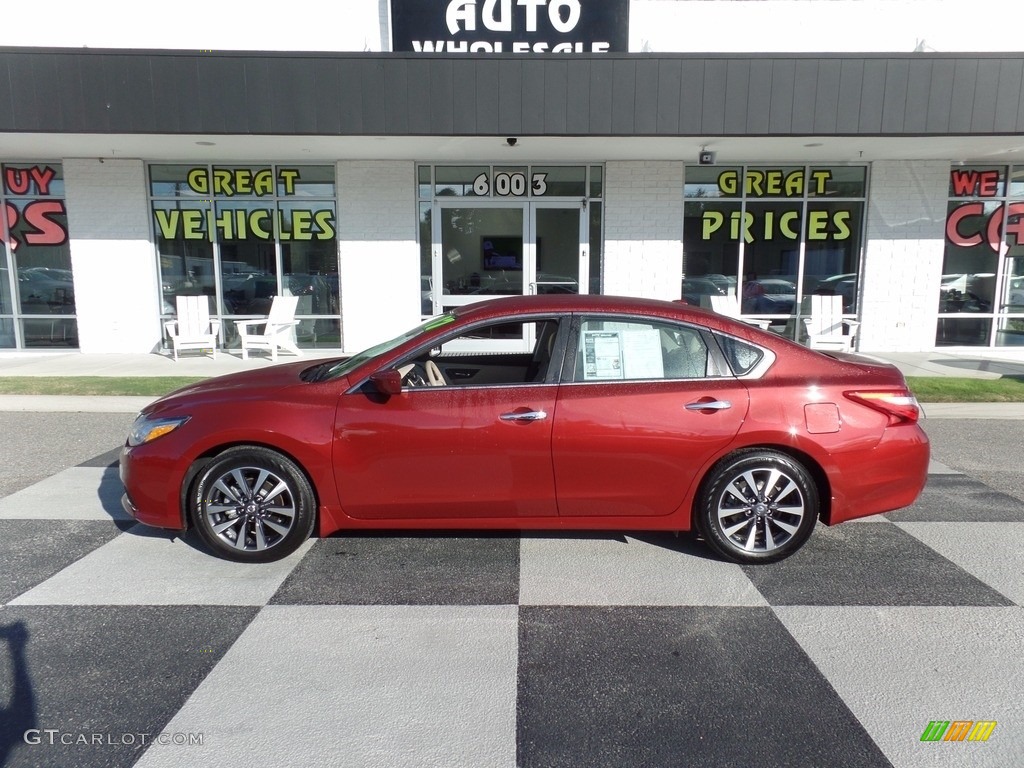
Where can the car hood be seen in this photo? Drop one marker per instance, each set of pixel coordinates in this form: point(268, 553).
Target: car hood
point(232, 387)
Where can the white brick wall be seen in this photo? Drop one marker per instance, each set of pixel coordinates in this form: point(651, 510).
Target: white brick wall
point(114, 262)
point(379, 257)
point(903, 256)
point(643, 229)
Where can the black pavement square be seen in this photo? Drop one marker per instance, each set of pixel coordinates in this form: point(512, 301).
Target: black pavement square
point(116, 672)
point(676, 686)
point(385, 569)
point(32, 551)
point(869, 564)
point(959, 499)
point(108, 459)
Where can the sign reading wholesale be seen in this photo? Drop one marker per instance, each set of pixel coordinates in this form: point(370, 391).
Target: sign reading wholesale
point(510, 26)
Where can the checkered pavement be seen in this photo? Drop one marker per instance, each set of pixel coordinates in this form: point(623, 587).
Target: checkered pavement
point(122, 645)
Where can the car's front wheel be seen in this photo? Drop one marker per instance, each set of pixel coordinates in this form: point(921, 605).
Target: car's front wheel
point(252, 504)
point(757, 506)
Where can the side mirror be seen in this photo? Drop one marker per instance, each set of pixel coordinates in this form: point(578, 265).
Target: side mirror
point(387, 382)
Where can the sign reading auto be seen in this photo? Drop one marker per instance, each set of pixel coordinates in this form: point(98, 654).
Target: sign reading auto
point(510, 26)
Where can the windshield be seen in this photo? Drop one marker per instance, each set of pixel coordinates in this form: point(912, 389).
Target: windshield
point(351, 363)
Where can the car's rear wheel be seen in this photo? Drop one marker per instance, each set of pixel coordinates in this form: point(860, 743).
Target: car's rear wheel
point(252, 504)
point(757, 506)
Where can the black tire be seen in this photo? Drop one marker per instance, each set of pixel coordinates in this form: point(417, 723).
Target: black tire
point(757, 506)
point(252, 505)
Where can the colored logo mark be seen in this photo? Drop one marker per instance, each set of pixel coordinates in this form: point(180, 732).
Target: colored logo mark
point(958, 730)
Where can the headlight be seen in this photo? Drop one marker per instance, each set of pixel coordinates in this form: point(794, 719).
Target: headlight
point(146, 429)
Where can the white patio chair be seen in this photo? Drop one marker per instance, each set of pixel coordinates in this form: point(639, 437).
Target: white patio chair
point(729, 306)
point(827, 328)
point(193, 328)
point(278, 331)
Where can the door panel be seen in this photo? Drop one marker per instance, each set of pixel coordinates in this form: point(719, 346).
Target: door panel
point(446, 452)
point(633, 448)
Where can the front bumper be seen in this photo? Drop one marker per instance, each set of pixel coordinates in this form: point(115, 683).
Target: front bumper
point(150, 495)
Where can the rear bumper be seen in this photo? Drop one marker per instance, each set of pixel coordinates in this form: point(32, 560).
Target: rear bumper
point(888, 477)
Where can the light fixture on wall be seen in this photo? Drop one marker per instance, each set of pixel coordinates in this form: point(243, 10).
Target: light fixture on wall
point(511, 141)
point(706, 156)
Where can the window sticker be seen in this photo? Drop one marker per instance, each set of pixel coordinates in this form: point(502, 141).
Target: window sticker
point(622, 354)
point(602, 355)
point(642, 354)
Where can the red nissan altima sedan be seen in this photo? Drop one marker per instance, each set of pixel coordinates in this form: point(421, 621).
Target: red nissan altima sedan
point(541, 412)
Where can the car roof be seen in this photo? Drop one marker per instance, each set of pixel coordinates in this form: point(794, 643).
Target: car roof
point(565, 303)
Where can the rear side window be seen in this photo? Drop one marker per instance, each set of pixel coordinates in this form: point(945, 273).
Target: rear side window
point(741, 356)
point(630, 350)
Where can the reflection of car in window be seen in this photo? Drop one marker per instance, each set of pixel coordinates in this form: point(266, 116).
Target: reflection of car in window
point(840, 285)
point(45, 290)
point(769, 296)
point(695, 288)
point(966, 293)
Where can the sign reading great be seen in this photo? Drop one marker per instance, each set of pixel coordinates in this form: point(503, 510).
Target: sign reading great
point(510, 26)
point(238, 219)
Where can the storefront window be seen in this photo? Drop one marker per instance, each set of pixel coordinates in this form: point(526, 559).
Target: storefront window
point(37, 290)
point(773, 235)
point(981, 296)
point(244, 234)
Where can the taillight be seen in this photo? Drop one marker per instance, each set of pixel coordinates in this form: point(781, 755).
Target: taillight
point(898, 404)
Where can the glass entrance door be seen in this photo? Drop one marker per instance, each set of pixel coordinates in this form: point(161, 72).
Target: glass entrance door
point(486, 250)
point(559, 242)
point(480, 251)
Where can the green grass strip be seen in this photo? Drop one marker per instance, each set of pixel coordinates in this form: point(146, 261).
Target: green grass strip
point(143, 386)
point(948, 389)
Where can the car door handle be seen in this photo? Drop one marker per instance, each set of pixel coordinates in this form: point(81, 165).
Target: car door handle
point(525, 416)
point(710, 405)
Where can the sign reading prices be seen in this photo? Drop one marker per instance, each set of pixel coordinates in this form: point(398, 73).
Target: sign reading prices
point(510, 26)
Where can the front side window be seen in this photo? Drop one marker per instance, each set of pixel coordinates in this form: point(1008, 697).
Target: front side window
point(501, 353)
point(634, 350)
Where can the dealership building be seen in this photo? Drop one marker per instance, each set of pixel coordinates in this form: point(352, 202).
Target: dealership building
point(385, 160)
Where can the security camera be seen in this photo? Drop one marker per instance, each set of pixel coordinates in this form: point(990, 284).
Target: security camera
point(511, 141)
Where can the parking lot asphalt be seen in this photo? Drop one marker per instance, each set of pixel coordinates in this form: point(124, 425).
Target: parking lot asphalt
point(121, 645)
